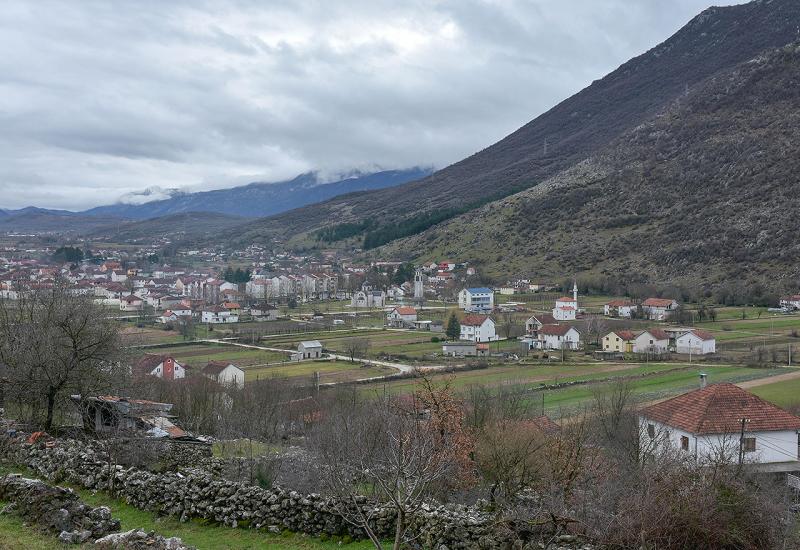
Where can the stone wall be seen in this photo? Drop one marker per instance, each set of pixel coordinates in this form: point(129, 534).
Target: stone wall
point(194, 493)
point(56, 509)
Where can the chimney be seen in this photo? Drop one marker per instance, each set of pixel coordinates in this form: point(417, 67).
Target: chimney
point(703, 377)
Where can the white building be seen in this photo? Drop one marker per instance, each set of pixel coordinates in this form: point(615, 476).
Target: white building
point(476, 300)
point(218, 315)
point(708, 423)
point(657, 309)
point(401, 316)
point(310, 349)
point(366, 297)
point(558, 337)
point(160, 366)
point(651, 341)
point(478, 328)
point(131, 302)
point(791, 302)
point(696, 342)
point(619, 308)
point(566, 308)
point(224, 373)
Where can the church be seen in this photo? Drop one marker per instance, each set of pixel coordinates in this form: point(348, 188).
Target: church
point(566, 308)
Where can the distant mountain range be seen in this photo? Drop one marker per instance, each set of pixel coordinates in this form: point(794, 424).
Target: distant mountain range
point(235, 204)
point(258, 199)
point(656, 172)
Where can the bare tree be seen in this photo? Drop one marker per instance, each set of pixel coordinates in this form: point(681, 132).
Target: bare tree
point(356, 347)
point(53, 343)
point(596, 328)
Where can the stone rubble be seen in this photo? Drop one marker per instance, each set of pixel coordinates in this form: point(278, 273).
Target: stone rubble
point(139, 539)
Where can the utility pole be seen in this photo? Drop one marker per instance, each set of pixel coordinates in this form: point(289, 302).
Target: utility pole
point(741, 442)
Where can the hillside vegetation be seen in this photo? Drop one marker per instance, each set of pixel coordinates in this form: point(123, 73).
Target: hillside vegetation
point(706, 191)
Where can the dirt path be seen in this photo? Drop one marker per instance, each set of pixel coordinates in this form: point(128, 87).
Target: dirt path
point(769, 380)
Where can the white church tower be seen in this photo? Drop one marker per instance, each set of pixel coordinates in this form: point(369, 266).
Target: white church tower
point(575, 292)
point(419, 286)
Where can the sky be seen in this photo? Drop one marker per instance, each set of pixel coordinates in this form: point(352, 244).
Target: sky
point(100, 100)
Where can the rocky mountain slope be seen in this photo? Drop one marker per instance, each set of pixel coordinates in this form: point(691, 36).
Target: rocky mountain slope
point(707, 191)
point(717, 39)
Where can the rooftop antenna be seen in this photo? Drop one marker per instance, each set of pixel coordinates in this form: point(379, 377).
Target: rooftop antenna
point(703, 377)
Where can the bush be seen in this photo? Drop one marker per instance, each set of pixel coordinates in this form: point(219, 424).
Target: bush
point(435, 339)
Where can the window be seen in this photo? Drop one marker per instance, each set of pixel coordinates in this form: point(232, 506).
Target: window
point(749, 444)
point(684, 443)
point(651, 430)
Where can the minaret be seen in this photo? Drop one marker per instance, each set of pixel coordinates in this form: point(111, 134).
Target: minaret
point(575, 292)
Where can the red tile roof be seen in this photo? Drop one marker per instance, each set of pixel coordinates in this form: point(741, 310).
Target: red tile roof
point(406, 310)
point(619, 303)
point(554, 330)
point(474, 320)
point(703, 335)
point(545, 318)
point(565, 299)
point(658, 302)
point(626, 334)
point(658, 333)
point(719, 409)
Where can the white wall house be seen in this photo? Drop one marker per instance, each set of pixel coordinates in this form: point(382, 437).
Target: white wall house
point(160, 366)
point(558, 337)
point(696, 342)
point(478, 300)
point(657, 309)
point(791, 302)
point(224, 373)
point(619, 308)
point(366, 297)
point(401, 316)
point(218, 315)
point(651, 341)
point(707, 424)
point(478, 328)
point(310, 349)
point(131, 302)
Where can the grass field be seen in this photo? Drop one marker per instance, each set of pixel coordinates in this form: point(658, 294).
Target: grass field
point(14, 535)
point(199, 354)
point(784, 394)
point(330, 371)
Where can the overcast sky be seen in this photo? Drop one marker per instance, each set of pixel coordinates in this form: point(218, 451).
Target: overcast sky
point(100, 99)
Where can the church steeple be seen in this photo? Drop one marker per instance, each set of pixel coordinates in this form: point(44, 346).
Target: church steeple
point(575, 291)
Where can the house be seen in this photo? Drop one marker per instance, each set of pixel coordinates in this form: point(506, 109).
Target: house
point(367, 297)
point(401, 316)
point(478, 328)
point(621, 341)
point(790, 302)
point(160, 366)
point(653, 340)
point(233, 307)
point(131, 302)
point(559, 337)
point(218, 315)
point(566, 308)
point(657, 309)
point(463, 349)
point(535, 322)
point(108, 414)
point(722, 420)
point(264, 312)
point(696, 342)
point(310, 349)
point(476, 300)
point(167, 317)
point(619, 308)
point(226, 374)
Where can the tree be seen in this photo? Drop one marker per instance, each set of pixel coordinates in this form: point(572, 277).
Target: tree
point(68, 254)
point(53, 344)
point(509, 324)
point(453, 330)
point(356, 347)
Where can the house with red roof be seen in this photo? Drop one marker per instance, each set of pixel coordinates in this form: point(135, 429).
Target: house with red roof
point(621, 341)
point(790, 302)
point(160, 366)
point(696, 342)
point(653, 340)
point(478, 328)
point(566, 308)
point(619, 308)
point(558, 337)
point(722, 420)
point(224, 373)
point(401, 316)
point(536, 321)
point(657, 309)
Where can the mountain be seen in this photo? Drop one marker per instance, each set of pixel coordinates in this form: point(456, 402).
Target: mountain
point(563, 137)
point(255, 199)
point(173, 227)
point(40, 220)
point(706, 193)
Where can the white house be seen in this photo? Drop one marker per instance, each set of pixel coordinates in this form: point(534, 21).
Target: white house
point(131, 302)
point(619, 308)
point(464, 349)
point(264, 312)
point(708, 423)
point(161, 366)
point(537, 321)
point(478, 300)
point(653, 340)
point(791, 302)
point(559, 337)
point(657, 309)
point(218, 315)
point(401, 316)
point(478, 328)
point(310, 349)
point(696, 342)
point(224, 373)
point(566, 308)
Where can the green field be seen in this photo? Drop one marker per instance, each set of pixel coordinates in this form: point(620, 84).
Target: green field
point(784, 394)
point(199, 354)
point(330, 371)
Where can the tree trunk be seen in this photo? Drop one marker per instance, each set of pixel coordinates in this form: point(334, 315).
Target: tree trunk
point(398, 532)
point(51, 405)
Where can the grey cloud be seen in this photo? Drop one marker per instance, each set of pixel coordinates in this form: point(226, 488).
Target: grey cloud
point(100, 100)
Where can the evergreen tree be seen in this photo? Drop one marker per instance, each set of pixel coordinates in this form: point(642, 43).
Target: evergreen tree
point(453, 330)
